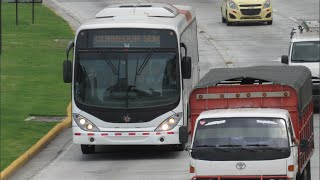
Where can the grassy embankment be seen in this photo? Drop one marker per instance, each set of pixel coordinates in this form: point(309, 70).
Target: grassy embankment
point(31, 76)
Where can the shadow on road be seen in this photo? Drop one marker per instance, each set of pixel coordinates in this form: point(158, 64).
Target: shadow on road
point(132, 153)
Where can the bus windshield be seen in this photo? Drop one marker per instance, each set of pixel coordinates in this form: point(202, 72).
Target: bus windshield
point(125, 78)
point(306, 52)
point(127, 68)
point(256, 133)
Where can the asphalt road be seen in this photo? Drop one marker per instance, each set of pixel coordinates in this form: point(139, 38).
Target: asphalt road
point(219, 45)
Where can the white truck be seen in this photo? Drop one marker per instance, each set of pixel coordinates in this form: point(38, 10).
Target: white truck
point(304, 50)
point(252, 123)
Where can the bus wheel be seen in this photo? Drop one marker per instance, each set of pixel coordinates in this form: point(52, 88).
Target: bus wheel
point(179, 147)
point(87, 149)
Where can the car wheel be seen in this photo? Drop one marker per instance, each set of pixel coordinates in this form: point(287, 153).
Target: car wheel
point(223, 20)
point(227, 20)
point(87, 149)
point(269, 22)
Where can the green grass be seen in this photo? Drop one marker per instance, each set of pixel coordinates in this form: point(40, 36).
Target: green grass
point(31, 76)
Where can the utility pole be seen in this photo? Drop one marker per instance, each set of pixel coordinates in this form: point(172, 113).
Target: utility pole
point(16, 12)
point(32, 11)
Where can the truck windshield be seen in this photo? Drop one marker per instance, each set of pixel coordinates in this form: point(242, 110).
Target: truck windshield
point(255, 133)
point(123, 78)
point(306, 52)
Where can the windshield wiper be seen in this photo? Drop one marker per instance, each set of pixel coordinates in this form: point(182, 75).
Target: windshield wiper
point(258, 145)
point(230, 145)
point(237, 146)
point(133, 89)
point(145, 61)
point(299, 60)
point(212, 147)
point(266, 147)
point(114, 70)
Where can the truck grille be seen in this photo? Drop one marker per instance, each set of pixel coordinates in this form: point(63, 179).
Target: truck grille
point(250, 11)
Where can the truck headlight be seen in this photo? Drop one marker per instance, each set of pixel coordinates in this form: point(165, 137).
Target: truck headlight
point(266, 4)
point(233, 5)
point(170, 122)
point(84, 123)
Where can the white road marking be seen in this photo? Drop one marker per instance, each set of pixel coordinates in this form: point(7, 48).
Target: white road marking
point(292, 19)
point(218, 47)
point(38, 175)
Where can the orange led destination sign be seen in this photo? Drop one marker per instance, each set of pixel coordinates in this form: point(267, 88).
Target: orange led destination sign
point(119, 41)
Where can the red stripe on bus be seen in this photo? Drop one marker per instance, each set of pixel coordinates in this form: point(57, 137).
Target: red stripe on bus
point(104, 134)
point(132, 134)
point(90, 134)
point(118, 134)
point(145, 133)
point(170, 132)
point(158, 133)
point(77, 134)
point(187, 14)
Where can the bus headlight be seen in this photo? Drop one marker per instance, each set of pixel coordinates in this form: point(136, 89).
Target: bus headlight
point(84, 123)
point(170, 123)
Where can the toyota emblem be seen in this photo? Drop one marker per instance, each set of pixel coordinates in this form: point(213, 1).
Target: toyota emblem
point(240, 165)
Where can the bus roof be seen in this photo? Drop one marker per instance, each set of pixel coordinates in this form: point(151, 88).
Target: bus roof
point(142, 15)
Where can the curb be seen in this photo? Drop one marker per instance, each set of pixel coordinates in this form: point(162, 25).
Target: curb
point(25, 157)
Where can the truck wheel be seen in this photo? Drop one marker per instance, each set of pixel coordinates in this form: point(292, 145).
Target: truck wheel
point(87, 149)
point(306, 174)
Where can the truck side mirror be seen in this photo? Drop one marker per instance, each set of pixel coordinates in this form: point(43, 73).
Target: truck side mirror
point(67, 71)
point(186, 67)
point(304, 145)
point(183, 134)
point(284, 59)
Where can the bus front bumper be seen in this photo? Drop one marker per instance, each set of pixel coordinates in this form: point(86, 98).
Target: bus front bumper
point(126, 138)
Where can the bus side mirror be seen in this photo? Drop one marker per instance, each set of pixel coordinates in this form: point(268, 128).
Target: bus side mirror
point(183, 134)
point(284, 59)
point(67, 65)
point(186, 67)
point(304, 145)
point(67, 71)
point(69, 47)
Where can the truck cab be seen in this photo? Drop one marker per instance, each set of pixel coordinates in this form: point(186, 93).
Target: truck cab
point(304, 50)
point(252, 123)
point(244, 141)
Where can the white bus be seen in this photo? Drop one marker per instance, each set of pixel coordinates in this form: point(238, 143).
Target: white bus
point(133, 68)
